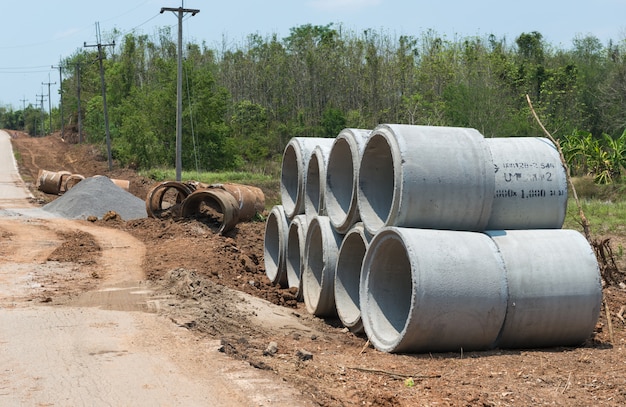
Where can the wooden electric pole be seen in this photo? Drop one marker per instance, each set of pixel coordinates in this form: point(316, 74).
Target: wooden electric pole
point(179, 85)
point(104, 92)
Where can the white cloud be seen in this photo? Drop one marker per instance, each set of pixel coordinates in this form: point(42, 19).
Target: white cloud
point(343, 5)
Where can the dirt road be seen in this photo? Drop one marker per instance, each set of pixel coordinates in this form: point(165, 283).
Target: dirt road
point(104, 344)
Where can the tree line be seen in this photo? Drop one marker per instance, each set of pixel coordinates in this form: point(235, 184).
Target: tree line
point(243, 103)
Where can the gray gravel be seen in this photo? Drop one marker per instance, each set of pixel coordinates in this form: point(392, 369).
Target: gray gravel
point(96, 196)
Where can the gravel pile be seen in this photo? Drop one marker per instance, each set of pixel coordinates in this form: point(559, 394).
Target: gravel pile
point(96, 196)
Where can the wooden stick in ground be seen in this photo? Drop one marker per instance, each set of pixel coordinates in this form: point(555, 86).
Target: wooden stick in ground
point(609, 323)
point(583, 219)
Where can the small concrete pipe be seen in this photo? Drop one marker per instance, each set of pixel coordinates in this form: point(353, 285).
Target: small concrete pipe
point(315, 187)
point(432, 291)
point(425, 177)
point(275, 246)
point(251, 199)
point(214, 203)
point(296, 242)
point(293, 172)
point(154, 197)
point(342, 177)
point(555, 291)
point(348, 276)
point(318, 274)
point(531, 184)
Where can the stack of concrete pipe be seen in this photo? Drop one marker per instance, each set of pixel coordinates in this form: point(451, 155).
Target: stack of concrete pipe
point(433, 239)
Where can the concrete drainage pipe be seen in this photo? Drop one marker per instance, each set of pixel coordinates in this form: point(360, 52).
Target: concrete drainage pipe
point(531, 184)
point(425, 177)
point(348, 276)
point(219, 205)
point(250, 199)
point(296, 242)
point(293, 172)
point(315, 186)
point(342, 176)
point(154, 198)
point(275, 245)
point(71, 181)
point(318, 274)
point(555, 291)
point(432, 290)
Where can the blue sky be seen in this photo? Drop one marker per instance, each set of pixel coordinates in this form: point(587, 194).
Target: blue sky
point(38, 33)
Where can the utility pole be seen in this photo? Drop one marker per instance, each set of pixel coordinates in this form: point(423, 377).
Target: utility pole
point(49, 102)
point(24, 100)
point(43, 132)
point(60, 68)
point(80, 122)
point(104, 92)
point(179, 85)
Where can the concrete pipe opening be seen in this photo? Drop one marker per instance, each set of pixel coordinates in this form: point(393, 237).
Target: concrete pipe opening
point(348, 277)
point(293, 172)
point(315, 187)
point(432, 291)
point(275, 243)
point(425, 177)
point(555, 290)
point(342, 178)
point(318, 274)
point(530, 182)
point(165, 198)
point(296, 241)
point(213, 206)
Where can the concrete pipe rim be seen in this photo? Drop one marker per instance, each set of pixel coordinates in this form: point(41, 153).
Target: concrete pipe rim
point(385, 317)
point(319, 268)
point(154, 198)
point(274, 245)
point(224, 200)
point(378, 171)
point(341, 183)
point(294, 258)
point(348, 277)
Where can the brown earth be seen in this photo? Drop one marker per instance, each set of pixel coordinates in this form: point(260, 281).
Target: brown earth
point(189, 260)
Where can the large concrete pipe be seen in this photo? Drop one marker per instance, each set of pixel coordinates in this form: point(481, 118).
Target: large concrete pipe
point(275, 245)
point(348, 276)
point(216, 204)
point(530, 182)
point(342, 176)
point(293, 172)
point(71, 181)
point(155, 196)
point(296, 243)
point(555, 291)
point(320, 260)
point(432, 290)
point(425, 177)
point(315, 184)
point(251, 199)
point(50, 182)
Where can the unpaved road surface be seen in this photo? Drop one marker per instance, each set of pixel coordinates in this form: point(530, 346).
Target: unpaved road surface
point(105, 345)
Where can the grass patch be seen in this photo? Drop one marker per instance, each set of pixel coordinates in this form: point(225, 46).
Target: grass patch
point(603, 205)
